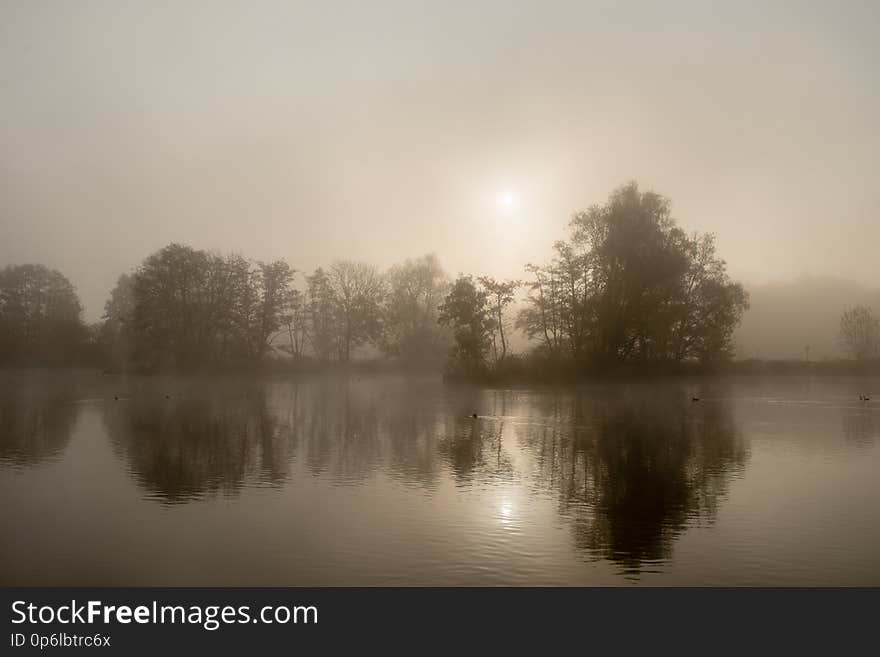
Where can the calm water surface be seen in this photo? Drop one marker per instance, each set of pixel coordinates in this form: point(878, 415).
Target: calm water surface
point(388, 480)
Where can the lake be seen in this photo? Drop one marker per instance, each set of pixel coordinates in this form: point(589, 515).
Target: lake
point(388, 480)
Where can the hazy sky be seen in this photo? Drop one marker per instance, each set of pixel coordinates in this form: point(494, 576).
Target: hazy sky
point(377, 131)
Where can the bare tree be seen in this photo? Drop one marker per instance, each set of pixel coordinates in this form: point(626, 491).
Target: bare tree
point(295, 319)
point(501, 295)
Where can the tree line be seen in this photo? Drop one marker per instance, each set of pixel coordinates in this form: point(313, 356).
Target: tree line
point(187, 309)
point(626, 286)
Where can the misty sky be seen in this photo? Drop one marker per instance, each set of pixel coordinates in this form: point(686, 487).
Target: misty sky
point(378, 131)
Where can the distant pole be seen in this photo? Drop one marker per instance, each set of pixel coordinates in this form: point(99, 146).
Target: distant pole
point(807, 353)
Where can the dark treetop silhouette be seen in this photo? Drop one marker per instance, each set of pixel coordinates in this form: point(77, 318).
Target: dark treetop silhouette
point(39, 317)
point(630, 286)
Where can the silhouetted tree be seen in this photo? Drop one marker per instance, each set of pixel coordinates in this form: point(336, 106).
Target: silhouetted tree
point(295, 320)
point(860, 333)
point(176, 302)
point(633, 256)
point(542, 317)
point(466, 311)
point(707, 306)
point(500, 294)
point(415, 290)
point(185, 308)
point(268, 297)
point(116, 332)
point(358, 292)
point(40, 319)
point(629, 285)
point(320, 304)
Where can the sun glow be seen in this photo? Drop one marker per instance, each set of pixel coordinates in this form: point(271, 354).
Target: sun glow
point(506, 201)
point(506, 513)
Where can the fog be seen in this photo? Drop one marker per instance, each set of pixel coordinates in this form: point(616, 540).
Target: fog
point(786, 317)
point(342, 130)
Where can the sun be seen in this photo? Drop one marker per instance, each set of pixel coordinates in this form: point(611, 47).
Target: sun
point(506, 201)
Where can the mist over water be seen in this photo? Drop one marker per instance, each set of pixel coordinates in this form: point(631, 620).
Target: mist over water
point(388, 479)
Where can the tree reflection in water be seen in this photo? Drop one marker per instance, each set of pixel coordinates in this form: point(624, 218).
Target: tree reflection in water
point(474, 450)
point(214, 438)
point(631, 467)
point(207, 441)
point(632, 472)
point(37, 416)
